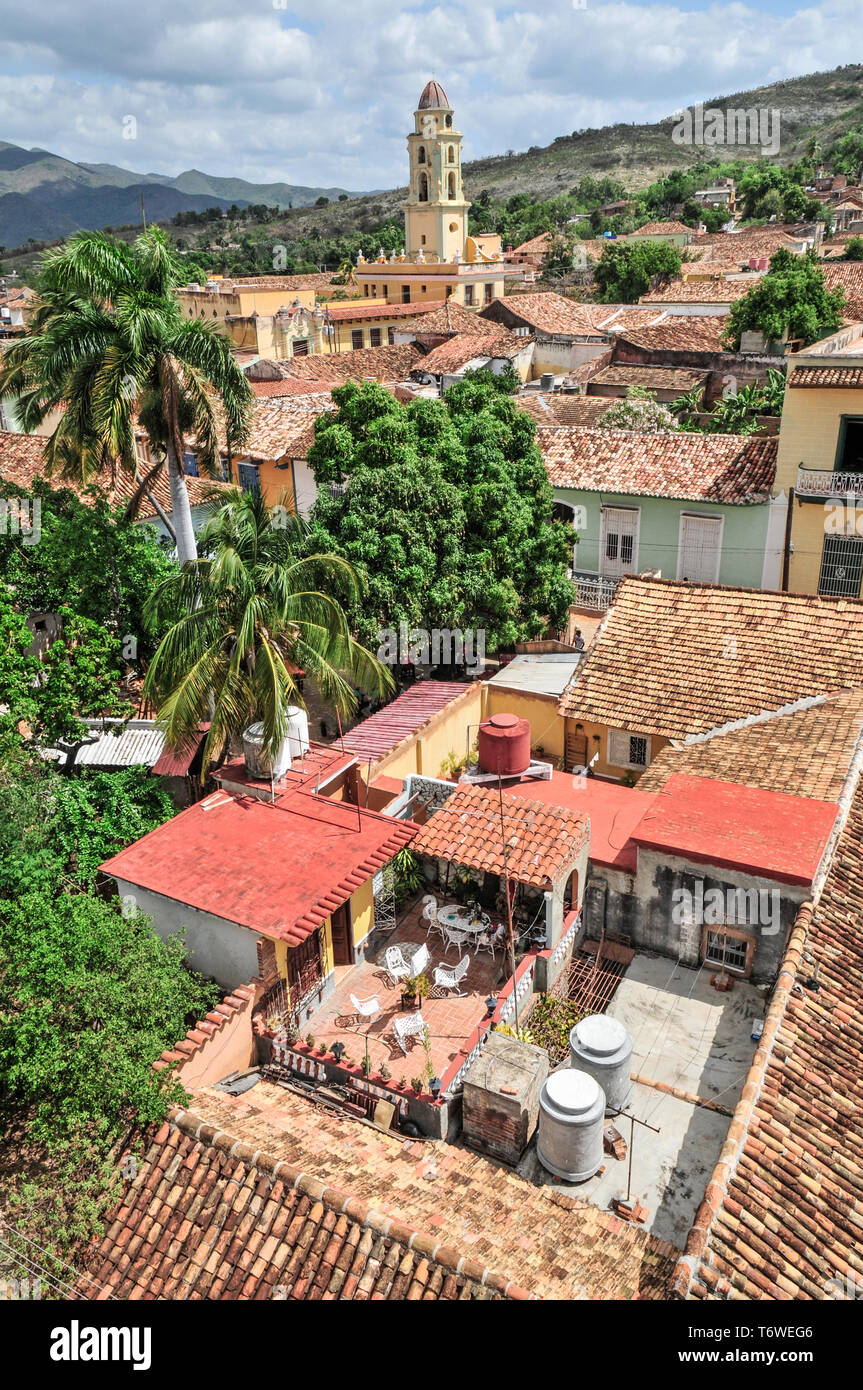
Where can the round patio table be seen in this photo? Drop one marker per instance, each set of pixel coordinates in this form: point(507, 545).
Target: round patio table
point(459, 919)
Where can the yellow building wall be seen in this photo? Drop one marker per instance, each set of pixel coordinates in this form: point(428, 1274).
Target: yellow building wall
point(362, 911)
point(809, 437)
point(602, 767)
point(446, 733)
point(546, 725)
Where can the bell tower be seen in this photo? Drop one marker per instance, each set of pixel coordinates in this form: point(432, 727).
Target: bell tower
point(435, 208)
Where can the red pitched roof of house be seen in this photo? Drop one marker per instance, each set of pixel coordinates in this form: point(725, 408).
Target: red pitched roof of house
point(456, 352)
point(279, 869)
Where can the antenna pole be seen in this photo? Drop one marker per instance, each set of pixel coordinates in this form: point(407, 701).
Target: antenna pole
point(506, 894)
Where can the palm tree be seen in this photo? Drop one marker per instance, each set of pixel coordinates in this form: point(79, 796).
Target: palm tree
point(253, 612)
point(108, 340)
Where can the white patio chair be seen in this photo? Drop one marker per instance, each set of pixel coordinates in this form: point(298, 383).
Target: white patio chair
point(454, 937)
point(448, 980)
point(366, 1008)
point(411, 1026)
point(395, 965)
point(419, 960)
point(490, 940)
point(429, 915)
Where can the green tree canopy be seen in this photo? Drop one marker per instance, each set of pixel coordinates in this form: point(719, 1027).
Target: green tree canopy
point(626, 269)
point(791, 298)
point(444, 509)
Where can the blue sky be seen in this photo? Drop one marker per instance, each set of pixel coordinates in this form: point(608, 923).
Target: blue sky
point(321, 91)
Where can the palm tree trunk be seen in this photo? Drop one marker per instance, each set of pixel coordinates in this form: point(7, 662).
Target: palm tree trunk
point(181, 510)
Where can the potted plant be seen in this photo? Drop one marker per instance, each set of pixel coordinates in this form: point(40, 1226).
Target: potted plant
point(310, 1041)
point(385, 1072)
point(292, 1032)
point(415, 990)
point(366, 1066)
point(417, 1083)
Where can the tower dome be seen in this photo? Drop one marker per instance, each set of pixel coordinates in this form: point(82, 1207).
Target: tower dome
point(433, 98)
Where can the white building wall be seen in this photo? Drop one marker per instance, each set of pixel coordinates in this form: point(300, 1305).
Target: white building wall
point(214, 946)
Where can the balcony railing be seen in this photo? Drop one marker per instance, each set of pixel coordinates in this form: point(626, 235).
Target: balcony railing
point(593, 592)
point(824, 482)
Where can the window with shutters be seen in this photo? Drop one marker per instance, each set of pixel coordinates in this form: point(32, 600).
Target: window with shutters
point(374, 337)
point(190, 465)
point(391, 337)
point(489, 293)
point(699, 548)
point(841, 567)
point(618, 551)
point(247, 476)
point(468, 295)
point(356, 338)
point(406, 294)
point(628, 750)
point(301, 347)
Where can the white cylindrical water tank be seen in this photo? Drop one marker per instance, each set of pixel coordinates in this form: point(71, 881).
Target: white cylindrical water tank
point(259, 761)
point(298, 731)
point(602, 1047)
point(571, 1121)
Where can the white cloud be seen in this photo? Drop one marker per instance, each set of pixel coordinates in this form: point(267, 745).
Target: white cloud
point(322, 92)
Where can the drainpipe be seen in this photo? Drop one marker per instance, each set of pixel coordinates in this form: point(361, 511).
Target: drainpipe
point(786, 549)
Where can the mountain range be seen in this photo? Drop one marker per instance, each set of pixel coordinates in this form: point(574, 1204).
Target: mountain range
point(44, 196)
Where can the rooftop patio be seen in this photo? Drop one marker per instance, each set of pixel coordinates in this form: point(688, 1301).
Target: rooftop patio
point(450, 1020)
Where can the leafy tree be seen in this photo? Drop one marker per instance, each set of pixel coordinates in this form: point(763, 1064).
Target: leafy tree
point(253, 611)
point(91, 558)
point(791, 298)
point(444, 509)
point(854, 249)
point(846, 155)
point(108, 340)
point(78, 675)
point(641, 411)
point(626, 269)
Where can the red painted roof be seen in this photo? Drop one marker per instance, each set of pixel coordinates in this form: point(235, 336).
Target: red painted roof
point(278, 869)
point(335, 310)
point(378, 735)
point(177, 764)
point(290, 386)
point(614, 812)
point(782, 837)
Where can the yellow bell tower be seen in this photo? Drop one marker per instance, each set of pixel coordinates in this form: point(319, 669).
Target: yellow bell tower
point(435, 208)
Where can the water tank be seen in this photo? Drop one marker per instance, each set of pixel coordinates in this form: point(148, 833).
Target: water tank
point(571, 1121)
point(546, 381)
point(259, 761)
point(504, 745)
point(297, 731)
point(602, 1047)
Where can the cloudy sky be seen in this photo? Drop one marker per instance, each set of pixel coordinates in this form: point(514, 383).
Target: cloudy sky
point(320, 91)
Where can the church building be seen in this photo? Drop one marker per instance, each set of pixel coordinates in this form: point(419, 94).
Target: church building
point(439, 259)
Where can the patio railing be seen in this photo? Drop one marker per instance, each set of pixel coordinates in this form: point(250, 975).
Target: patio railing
point(594, 592)
point(823, 482)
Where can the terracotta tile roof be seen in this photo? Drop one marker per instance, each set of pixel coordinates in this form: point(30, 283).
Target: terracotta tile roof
point(280, 424)
point(725, 468)
point(848, 274)
point(21, 461)
point(677, 659)
point(547, 312)
point(208, 1216)
point(315, 281)
point(447, 318)
point(807, 752)
point(841, 377)
point(289, 386)
point(663, 229)
point(781, 1214)
point(379, 364)
point(456, 352)
point(752, 241)
point(279, 869)
point(338, 310)
point(586, 371)
point(622, 320)
point(536, 246)
point(701, 291)
point(542, 840)
point(563, 408)
point(401, 718)
point(680, 333)
point(656, 378)
point(555, 1245)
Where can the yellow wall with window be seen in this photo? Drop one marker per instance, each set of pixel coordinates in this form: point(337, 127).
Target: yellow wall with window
point(540, 711)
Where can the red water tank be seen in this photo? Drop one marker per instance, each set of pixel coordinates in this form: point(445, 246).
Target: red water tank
point(504, 745)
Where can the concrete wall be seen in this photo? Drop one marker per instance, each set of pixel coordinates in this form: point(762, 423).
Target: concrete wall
point(744, 534)
point(216, 947)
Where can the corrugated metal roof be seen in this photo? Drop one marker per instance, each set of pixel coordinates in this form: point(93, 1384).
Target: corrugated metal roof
point(138, 743)
point(378, 735)
point(546, 673)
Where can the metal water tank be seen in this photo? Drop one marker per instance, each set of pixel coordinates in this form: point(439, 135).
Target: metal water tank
point(602, 1047)
point(571, 1121)
point(546, 381)
point(298, 731)
point(259, 761)
point(503, 743)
